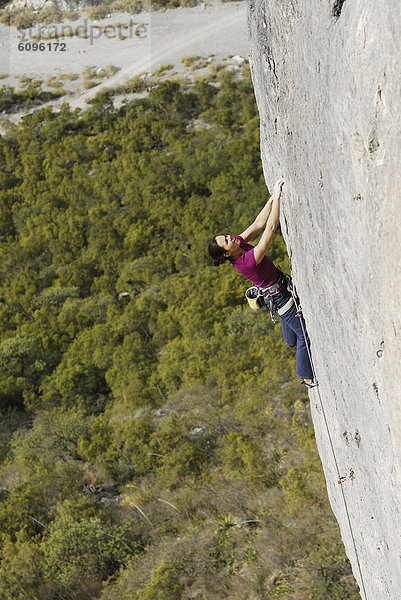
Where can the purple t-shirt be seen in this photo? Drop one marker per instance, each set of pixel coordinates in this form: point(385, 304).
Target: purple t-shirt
point(262, 274)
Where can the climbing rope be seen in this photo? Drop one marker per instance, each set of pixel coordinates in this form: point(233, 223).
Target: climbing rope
point(299, 313)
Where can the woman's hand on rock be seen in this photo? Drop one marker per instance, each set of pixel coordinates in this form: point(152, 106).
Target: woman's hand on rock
point(278, 187)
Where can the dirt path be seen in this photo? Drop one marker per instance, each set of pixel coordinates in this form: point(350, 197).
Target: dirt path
point(164, 37)
point(172, 38)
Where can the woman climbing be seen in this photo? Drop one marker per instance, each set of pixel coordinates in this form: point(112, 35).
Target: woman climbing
point(252, 262)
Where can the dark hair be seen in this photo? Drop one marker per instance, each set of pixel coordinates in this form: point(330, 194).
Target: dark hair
point(216, 253)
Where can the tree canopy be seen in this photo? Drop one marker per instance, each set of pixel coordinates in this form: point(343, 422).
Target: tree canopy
point(154, 440)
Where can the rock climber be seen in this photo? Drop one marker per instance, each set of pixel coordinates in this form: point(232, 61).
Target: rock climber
point(253, 263)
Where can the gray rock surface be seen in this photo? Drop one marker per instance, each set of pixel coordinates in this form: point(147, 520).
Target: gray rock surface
point(327, 77)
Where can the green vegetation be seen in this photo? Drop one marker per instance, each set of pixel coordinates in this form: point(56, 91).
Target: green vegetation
point(162, 69)
point(134, 85)
point(56, 81)
point(195, 62)
point(93, 75)
point(154, 441)
point(31, 95)
point(102, 9)
point(26, 16)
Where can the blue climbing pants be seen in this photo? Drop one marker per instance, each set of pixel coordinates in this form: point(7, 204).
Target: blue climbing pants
point(293, 334)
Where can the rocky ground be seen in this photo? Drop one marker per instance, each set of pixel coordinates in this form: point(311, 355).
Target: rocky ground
point(88, 56)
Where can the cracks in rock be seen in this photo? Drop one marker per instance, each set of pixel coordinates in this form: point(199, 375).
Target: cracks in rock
point(286, 225)
point(337, 8)
point(349, 438)
point(267, 51)
point(271, 63)
point(373, 140)
point(373, 143)
point(272, 66)
point(380, 351)
point(376, 391)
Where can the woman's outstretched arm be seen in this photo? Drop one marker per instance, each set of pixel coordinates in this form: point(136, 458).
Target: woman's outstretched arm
point(271, 223)
point(260, 222)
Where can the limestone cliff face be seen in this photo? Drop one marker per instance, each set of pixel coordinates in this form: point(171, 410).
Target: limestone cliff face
point(327, 77)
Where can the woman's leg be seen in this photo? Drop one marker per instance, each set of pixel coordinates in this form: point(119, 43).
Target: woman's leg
point(289, 335)
point(292, 331)
point(304, 367)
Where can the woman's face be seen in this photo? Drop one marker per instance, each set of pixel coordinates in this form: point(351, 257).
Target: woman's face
point(228, 243)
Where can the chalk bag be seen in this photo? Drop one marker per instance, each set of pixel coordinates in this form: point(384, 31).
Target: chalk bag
point(255, 298)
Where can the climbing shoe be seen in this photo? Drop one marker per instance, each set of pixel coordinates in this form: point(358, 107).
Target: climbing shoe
point(309, 385)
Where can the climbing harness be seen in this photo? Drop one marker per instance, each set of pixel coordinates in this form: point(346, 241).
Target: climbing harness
point(261, 298)
point(292, 289)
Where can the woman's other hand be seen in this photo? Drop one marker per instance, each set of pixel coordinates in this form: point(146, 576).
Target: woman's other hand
point(278, 186)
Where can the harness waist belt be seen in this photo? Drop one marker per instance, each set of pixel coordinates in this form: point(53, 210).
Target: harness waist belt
point(281, 311)
point(275, 287)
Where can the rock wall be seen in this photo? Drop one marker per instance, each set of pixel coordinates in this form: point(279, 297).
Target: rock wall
point(327, 78)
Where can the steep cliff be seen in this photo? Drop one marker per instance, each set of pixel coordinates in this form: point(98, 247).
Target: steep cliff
point(327, 81)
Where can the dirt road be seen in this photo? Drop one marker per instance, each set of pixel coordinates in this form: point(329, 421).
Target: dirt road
point(152, 39)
